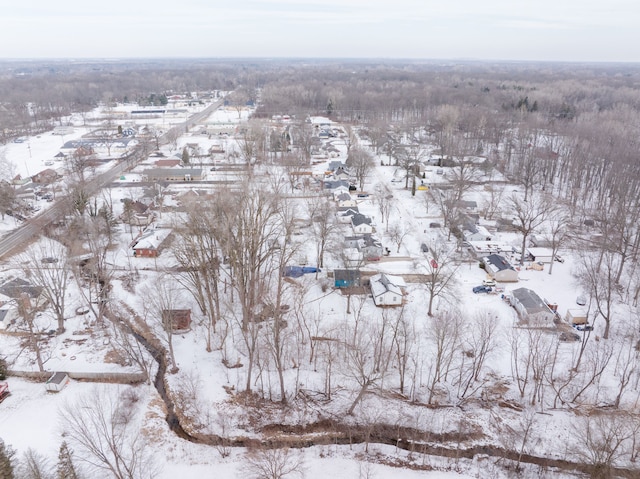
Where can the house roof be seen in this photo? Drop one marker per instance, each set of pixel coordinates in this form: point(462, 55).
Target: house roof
point(530, 300)
point(359, 219)
point(384, 283)
point(152, 239)
point(16, 287)
point(346, 274)
point(496, 262)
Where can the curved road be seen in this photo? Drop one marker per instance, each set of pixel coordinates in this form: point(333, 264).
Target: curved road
point(31, 228)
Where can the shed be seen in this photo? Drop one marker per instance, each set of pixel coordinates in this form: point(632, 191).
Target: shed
point(541, 255)
point(57, 382)
point(346, 278)
point(576, 316)
point(499, 268)
point(176, 320)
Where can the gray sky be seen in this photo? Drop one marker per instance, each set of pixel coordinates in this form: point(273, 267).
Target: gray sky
point(571, 30)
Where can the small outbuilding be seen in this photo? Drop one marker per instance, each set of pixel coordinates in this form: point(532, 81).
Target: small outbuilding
point(346, 278)
point(576, 316)
point(57, 382)
point(176, 320)
point(540, 255)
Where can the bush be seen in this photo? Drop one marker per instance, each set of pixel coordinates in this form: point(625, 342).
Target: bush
point(3, 369)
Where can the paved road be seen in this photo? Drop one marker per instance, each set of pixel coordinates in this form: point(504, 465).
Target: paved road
point(31, 228)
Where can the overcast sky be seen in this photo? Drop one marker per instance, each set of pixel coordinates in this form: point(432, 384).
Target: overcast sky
point(571, 30)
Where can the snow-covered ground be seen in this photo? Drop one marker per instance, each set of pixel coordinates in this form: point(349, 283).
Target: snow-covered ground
point(29, 417)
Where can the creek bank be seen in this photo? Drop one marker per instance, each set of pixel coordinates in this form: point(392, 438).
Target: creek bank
point(331, 432)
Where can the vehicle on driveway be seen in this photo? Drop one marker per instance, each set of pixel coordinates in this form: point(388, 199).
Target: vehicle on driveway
point(489, 282)
point(482, 289)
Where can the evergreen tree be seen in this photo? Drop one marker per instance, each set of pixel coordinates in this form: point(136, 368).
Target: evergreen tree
point(185, 156)
point(66, 469)
point(6, 461)
point(3, 369)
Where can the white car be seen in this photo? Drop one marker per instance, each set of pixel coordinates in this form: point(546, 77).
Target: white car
point(489, 282)
point(581, 300)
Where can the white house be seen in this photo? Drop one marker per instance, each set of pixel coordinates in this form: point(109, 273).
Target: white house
point(361, 224)
point(499, 268)
point(476, 233)
point(530, 306)
point(345, 200)
point(387, 290)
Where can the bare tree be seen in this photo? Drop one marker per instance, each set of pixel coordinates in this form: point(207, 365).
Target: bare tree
point(102, 429)
point(599, 279)
point(528, 215)
point(196, 250)
point(444, 334)
point(478, 343)
point(35, 466)
point(321, 213)
point(441, 268)
point(603, 440)
point(47, 266)
point(360, 161)
point(369, 353)
point(161, 300)
point(280, 463)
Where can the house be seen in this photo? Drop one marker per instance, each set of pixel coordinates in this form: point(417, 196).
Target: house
point(347, 278)
point(361, 224)
point(334, 184)
point(345, 200)
point(167, 163)
point(150, 243)
point(369, 246)
point(335, 164)
point(387, 290)
point(57, 382)
point(341, 173)
point(176, 320)
point(530, 306)
point(45, 177)
point(137, 213)
point(472, 232)
point(499, 268)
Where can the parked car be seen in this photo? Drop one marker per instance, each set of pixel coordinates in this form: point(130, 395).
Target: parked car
point(581, 300)
point(583, 327)
point(489, 282)
point(482, 289)
point(559, 259)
